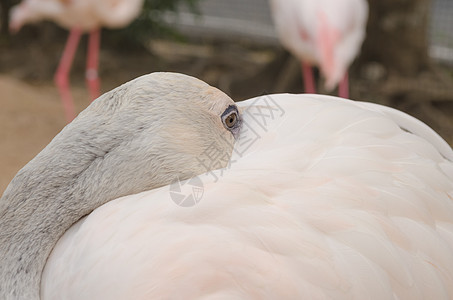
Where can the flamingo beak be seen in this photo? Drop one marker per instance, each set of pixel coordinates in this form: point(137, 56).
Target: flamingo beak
point(327, 39)
point(14, 27)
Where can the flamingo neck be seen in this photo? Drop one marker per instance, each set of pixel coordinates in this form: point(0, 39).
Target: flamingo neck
point(40, 204)
point(28, 230)
point(63, 183)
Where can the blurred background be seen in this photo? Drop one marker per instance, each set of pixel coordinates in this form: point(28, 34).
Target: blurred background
point(406, 62)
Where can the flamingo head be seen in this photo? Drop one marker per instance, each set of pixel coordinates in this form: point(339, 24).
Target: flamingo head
point(19, 15)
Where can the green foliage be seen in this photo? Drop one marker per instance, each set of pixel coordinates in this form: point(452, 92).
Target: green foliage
point(150, 23)
point(163, 5)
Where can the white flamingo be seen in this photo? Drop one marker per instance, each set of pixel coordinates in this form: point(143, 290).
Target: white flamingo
point(323, 198)
point(78, 16)
point(324, 33)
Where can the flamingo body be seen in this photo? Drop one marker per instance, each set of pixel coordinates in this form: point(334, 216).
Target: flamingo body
point(324, 33)
point(334, 200)
point(78, 16)
point(85, 15)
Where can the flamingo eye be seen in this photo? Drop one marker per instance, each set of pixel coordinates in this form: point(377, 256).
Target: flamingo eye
point(231, 120)
point(230, 117)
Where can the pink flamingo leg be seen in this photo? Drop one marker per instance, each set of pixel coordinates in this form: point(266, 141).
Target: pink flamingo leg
point(343, 87)
point(61, 77)
point(309, 82)
point(91, 75)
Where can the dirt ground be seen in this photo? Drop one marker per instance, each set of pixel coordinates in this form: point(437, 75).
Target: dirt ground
point(30, 116)
point(31, 113)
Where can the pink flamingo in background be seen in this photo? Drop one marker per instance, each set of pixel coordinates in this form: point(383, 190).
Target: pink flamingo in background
point(79, 16)
point(325, 33)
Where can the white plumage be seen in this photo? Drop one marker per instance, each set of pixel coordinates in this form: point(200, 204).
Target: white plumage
point(333, 200)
